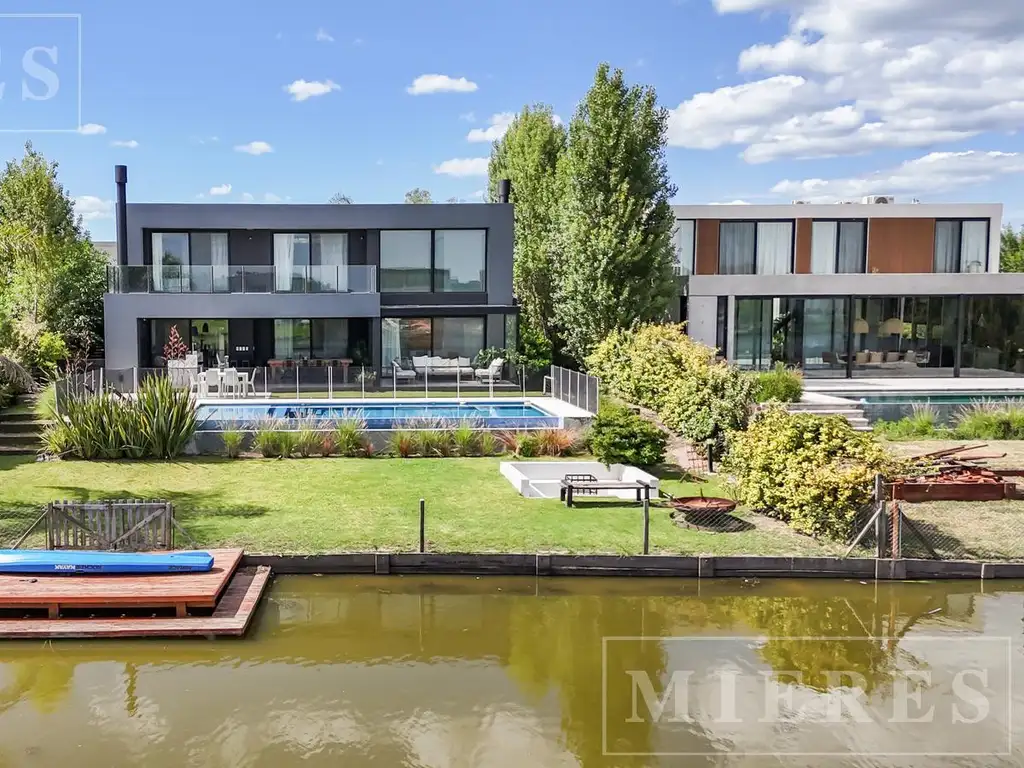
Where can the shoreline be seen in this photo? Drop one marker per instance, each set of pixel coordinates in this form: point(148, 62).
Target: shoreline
point(470, 564)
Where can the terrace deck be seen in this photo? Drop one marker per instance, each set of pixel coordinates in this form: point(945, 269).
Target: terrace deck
point(180, 591)
point(232, 617)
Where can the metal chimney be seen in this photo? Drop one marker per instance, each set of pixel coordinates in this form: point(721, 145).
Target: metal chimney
point(121, 181)
point(504, 190)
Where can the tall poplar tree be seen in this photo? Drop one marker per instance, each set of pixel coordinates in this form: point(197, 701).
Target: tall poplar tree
point(615, 222)
point(528, 155)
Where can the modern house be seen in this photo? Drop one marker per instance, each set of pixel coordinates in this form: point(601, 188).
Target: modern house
point(866, 289)
point(315, 286)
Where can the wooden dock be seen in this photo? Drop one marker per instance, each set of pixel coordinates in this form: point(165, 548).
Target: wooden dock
point(220, 602)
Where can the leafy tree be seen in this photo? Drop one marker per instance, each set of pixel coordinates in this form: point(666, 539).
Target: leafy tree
point(1011, 250)
point(528, 156)
point(418, 196)
point(52, 279)
point(615, 261)
point(340, 198)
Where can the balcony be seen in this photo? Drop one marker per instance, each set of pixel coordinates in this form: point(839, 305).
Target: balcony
point(263, 278)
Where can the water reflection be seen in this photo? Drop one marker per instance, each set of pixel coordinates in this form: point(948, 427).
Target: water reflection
point(483, 672)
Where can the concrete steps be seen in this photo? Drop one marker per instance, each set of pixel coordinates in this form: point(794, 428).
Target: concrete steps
point(832, 406)
point(20, 433)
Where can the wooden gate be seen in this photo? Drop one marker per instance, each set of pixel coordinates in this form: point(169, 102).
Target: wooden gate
point(127, 525)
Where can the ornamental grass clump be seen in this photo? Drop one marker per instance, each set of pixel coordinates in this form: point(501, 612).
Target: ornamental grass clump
point(815, 473)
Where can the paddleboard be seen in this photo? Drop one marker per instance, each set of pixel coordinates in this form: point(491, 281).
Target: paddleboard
point(50, 562)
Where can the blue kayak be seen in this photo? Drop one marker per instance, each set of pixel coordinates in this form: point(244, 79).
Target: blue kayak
point(72, 562)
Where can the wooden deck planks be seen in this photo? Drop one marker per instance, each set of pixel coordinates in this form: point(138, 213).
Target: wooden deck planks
point(232, 617)
point(179, 590)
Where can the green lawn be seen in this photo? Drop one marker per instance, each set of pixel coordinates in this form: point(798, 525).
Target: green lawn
point(337, 505)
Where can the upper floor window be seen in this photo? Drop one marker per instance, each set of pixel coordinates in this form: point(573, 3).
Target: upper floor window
point(405, 260)
point(189, 261)
point(961, 245)
point(459, 259)
point(684, 240)
point(425, 261)
point(838, 247)
point(755, 248)
point(310, 261)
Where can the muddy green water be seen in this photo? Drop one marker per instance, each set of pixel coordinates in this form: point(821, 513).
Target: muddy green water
point(391, 671)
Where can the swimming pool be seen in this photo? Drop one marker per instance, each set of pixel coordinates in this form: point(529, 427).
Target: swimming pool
point(485, 414)
point(959, 398)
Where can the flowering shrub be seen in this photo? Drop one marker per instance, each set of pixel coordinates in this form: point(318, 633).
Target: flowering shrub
point(813, 472)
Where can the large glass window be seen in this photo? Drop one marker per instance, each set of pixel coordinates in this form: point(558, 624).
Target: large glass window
point(328, 261)
point(838, 246)
point(904, 335)
point(459, 259)
point(993, 336)
point(186, 262)
point(160, 334)
point(292, 339)
point(329, 338)
point(210, 339)
point(684, 240)
point(961, 246)
point(405, 260)
point(458, 337)
point(403, 338)
point(736, 254)
point(761, 247)
point(170, 261)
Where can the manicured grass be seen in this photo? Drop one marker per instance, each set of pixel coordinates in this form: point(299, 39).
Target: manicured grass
point(41, 406)
point(967, 530)
point(335, 505)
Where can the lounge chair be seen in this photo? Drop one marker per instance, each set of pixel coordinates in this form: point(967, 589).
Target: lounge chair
point(492, 372)
point(400, 373)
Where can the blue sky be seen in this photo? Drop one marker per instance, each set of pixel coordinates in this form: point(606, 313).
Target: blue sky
point(770, 100)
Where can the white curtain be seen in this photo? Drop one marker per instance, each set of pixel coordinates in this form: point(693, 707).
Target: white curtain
point(852, 235)
point(823, 247)
point(284, 262)
point(390, 343)
point(219, 261)
point(774, 247)
point(334, 261)
point(736, 248)
point(157, 267)
point(974, 246)
point(684, 242)
point(947, 246)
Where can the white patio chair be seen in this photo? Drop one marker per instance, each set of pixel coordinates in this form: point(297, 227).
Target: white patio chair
point(492, 372)
point(249, 384)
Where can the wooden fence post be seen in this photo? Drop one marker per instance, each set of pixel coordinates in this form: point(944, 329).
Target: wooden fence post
point(423, 525)
point(881, 521)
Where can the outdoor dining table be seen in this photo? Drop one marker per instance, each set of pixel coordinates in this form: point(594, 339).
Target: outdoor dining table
point(219, 378)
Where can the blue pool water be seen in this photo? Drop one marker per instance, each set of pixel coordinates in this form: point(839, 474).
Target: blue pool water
point(489, 414)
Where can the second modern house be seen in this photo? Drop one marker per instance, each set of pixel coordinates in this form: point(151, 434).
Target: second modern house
point(394, 288)
point(864, 289)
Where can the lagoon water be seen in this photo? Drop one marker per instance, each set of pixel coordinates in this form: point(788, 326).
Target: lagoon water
point(495, 672)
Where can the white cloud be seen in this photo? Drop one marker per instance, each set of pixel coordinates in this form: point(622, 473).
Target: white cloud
point(440, 84)
point(732, 202)
point(254, 148)
point(478, 195)
point(247, 197)
point(301, 90)
point(469, 117)
point(92, 129)
point(468, 166)
point(933, 173)
point(851, 77)
point(497, 125)
point(222, 189)
point(270, 197)
point(323, 36)
point(91, 208)
point(129, 144)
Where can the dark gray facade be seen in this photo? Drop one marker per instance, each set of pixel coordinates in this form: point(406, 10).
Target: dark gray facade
point(137, 301)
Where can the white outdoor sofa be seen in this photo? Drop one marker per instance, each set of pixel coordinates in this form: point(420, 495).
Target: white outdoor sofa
point(442, 366)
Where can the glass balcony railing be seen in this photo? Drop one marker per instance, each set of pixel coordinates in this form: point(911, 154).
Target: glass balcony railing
point(358, 278)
